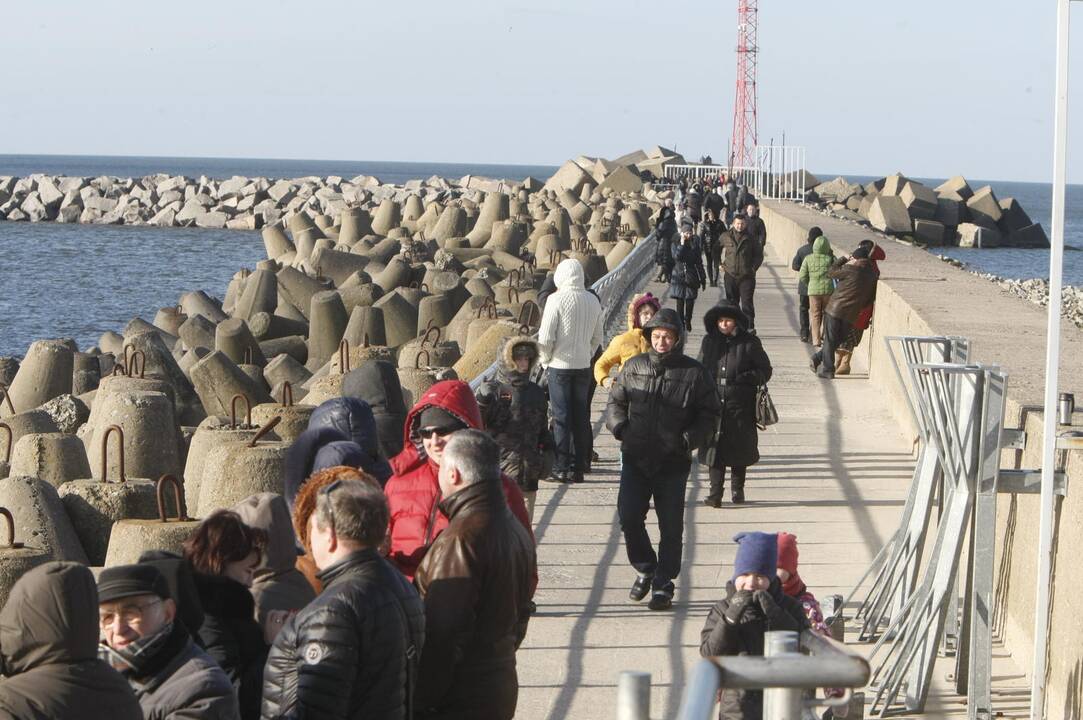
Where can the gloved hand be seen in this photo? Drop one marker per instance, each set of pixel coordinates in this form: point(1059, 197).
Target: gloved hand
point(740, 600)
point(618, 431)
point(766, 602)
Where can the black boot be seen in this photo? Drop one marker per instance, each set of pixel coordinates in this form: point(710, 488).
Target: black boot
point(738, 476)
point(718, 487)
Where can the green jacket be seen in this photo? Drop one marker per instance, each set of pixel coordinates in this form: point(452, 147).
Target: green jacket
point(815, 266)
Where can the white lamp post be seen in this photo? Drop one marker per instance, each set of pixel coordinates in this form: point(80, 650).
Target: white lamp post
point(1052, 359)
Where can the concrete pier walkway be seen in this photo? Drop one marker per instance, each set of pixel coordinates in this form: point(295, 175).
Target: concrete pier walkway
point(835, 471)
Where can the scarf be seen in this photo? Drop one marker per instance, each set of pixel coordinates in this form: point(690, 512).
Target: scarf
point(148, 654)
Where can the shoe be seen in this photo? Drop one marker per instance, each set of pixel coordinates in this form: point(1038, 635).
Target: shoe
point(575, 478)
point(688, 325)
point(825, 376)
point(714, 501)
point(842, 362)
point(557, 477)
point(814, 365)
point(640, 588)
point(594, 456)
point(661, 599)
point(804, 338)
point(738, 496)
point(533, 607)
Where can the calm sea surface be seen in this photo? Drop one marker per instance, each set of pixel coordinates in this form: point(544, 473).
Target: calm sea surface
point(80, 280)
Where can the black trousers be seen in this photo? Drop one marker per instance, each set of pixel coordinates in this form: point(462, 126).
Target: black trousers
point(718, 479)
point(685, 309)
point(741, 290)
point(713, 253)
point(802, 316)
point(667, 487)
point(835, 332)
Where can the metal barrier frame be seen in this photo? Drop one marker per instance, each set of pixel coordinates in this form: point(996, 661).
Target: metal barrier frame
point(783, 673)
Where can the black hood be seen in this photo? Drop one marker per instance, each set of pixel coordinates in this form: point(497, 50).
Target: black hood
point(721, 310)
point(354, 419)
point(377, 383)
point(666, 318)
point(301, 456)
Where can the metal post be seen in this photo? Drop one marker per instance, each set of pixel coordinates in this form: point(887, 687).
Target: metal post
point(634, 695)
point(1052, 360)
point(781, 703)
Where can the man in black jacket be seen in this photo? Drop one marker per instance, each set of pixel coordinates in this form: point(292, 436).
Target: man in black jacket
point(353, 651)
point(661, 406)
point(756, 226)
point(802, 288)
point(742, 257)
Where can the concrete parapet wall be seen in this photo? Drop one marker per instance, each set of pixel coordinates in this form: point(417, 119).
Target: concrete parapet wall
point(920, 295)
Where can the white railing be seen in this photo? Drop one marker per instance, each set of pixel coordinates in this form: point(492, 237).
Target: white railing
point(779, 173)
point(612, 289)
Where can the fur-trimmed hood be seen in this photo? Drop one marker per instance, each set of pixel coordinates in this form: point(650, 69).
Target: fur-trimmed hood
point(638, 301)
point(509, 347)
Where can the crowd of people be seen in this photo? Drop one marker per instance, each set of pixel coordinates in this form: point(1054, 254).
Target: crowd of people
point(394, 576)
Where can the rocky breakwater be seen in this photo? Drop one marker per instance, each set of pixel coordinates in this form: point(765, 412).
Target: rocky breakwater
point(425, 284)
point(949, 214)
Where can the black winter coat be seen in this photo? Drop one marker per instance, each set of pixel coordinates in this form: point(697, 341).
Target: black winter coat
point(352, 653)
point(660, 408)
point(714, 201)
point(663, 254)
point(798, 258)
point(741, 362)
point(721, 637)
point(688, 274)
point(231, 635)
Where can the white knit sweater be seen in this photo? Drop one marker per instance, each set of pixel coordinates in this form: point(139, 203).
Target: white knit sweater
point(571, 326)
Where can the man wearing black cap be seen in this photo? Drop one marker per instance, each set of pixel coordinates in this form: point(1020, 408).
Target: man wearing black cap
point(171, 676)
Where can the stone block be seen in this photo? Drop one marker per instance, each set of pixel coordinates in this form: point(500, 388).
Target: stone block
point(214, 219)
point(888, 214)
point(956, 186)
point(894, 184)
point(1032, 236)
point(55, 458)
point(929, 232)
point(1013, 217)
point(950, 212)
point(978, 236)
point(984, 208)
point(40, 519)
point(920, 201)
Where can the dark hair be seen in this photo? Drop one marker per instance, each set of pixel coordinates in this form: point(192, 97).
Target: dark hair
point(220, 539)
point(814, 232)
point(866, 243)
point(356, 511)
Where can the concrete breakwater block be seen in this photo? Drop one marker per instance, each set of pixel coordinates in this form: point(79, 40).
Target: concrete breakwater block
point(292, 419)
point(494, 209)
point(40, 519)
point(400, 319)
point(215, 430)
point(25, 423)
point(480, 354)
point(93, 506)
point(86, 373)
point(234, 339)
point(338, 265)
point(1030, 236)
point(160, 364)
point(328, 319)
point(68, 412)
point(929, 231)
point(55, 458)
point(16, 559)
point(44, 373)
point(950, 212)
point(356, 224)
point(196, 332)
point(217, 379)
point(887, 213)
point(276, 242)
point(235, 470)
point(388, 216)
point(297, 288)
point(200, 303)
point(293, 345)
point(285, 368)
point(129, 539)
point(984, 208)
point(269, 326)
point(260, 295)
point(366, 327)
point(920, 201)
point(957, 186)
point(147, 445)
point(978, 236)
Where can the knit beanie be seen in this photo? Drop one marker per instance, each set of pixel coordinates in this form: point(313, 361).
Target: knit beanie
point(436, 416)
point(787, 560)
point(757, 552)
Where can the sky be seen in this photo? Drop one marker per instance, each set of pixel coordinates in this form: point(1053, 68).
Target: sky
point(927, 88)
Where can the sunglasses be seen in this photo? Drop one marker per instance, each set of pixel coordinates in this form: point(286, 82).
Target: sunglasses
point(428, 432)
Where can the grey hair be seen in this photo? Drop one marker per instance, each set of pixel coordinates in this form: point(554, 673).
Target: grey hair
point(475, 455)
point(359, 511)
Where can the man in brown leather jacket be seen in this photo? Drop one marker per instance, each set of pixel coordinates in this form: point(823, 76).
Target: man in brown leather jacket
point(475, 581)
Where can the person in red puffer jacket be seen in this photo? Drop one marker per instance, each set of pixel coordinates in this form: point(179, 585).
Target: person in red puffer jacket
point(413, 492)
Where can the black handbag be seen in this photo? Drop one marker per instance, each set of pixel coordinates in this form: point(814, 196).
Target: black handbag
point(766, 414)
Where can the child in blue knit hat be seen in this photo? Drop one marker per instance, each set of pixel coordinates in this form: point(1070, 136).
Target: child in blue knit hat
point(754, 604)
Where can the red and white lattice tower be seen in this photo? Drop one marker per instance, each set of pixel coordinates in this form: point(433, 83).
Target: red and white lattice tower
point(743, 142)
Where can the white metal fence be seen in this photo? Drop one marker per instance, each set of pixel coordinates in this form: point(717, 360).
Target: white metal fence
point(779, 173)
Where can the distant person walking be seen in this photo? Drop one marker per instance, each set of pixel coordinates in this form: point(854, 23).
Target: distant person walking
point(757, 228)
point(711, 231)
point(688, 275)
point(571, 329)
point(814, 275)
point(742, 258)
point(738, 364)
point(856, 289)
point(661, 407)
point(802, 286)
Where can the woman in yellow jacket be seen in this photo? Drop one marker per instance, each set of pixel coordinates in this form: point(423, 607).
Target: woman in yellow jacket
point(628, 344)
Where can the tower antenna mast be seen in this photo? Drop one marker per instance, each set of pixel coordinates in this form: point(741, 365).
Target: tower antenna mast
point(743, 141)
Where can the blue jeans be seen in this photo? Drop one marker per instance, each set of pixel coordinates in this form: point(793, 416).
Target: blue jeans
point(667, 486)
point(569, 398)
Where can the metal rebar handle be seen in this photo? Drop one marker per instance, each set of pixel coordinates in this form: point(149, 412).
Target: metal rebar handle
point(233, 410)
point(425, 337)
point(178, 498)
point(137, 359)
point(343, 356)
point(287, 394)
point(267, 427)
point(11, 441)
point(11, 544)
point(417, 359)
point(105, 452)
